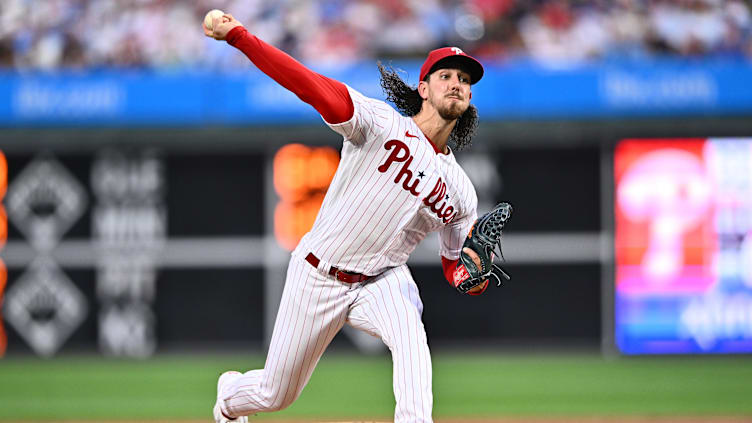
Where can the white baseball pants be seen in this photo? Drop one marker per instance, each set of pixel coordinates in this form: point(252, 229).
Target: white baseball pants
point(313, 309)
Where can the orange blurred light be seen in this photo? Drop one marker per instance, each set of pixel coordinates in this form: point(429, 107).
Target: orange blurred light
point(323, 165)
point(3, 226)
point(3, 175)
point(291, 168)
point(302, 175)
point(293, 220)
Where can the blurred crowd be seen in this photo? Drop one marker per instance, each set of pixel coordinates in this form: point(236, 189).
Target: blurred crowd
point(166, 34)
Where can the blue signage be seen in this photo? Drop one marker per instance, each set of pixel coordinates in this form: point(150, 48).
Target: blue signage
point(516, 90)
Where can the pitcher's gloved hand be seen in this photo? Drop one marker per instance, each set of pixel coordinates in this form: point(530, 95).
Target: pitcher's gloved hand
point(484, 238)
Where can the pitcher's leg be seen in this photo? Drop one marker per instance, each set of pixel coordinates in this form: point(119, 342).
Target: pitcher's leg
point(312, 310)
point(390, 307)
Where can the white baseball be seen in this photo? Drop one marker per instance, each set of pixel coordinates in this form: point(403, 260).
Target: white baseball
point(209, 18)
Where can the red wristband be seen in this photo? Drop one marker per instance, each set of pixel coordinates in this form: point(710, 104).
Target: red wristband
point(455, 273)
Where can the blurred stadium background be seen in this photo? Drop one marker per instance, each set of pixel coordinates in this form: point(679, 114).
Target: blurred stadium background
point(153, 182)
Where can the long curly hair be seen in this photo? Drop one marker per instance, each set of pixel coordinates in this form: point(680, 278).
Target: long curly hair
point(407, 100)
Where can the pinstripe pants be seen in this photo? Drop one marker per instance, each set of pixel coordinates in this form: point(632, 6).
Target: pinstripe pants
point(314, 307)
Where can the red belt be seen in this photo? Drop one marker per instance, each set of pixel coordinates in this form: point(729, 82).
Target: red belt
point(341, 275)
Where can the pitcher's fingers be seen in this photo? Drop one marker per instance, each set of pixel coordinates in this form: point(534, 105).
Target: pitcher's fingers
point(479, 288)
point(473, 256)
point(206, 30)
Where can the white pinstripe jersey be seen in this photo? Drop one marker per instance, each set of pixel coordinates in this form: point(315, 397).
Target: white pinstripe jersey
point(390, 190)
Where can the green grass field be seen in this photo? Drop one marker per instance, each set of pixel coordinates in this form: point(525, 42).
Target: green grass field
point(356, 387)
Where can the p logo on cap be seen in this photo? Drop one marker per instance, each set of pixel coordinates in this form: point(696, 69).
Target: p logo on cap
point(441, 57)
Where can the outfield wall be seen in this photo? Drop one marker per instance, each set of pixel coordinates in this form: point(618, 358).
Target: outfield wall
point(152, 229)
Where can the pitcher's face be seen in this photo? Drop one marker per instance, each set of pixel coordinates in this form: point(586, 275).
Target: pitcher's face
point(449, 92)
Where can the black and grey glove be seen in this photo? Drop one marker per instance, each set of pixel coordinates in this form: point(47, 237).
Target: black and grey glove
point(484, 238)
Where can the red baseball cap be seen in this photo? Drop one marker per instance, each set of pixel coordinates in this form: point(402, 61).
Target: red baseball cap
point(447, 55)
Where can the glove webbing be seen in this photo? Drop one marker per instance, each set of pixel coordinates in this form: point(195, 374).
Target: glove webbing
point(488, 232)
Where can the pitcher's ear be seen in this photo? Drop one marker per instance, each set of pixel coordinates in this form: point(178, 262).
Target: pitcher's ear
point(423, 89)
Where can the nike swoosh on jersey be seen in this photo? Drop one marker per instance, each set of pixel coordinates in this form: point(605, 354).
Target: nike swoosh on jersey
point(408, 134)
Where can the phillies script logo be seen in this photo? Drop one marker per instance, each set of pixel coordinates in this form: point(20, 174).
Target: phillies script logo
point(436, 199)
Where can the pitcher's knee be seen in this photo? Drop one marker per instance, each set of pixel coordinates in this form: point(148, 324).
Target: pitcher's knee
point(279, 405)
point(281, 402)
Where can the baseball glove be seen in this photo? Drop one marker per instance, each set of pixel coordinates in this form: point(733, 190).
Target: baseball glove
point(484, 238)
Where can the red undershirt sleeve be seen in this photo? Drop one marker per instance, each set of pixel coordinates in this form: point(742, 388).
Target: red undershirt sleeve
point(328, 96)
point(449, 267)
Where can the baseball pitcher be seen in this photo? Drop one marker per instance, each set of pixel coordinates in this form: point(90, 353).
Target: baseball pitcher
point(397, 181)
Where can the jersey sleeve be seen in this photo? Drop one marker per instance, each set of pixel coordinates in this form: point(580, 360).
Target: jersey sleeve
point(452, 237)
point(370, 117)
